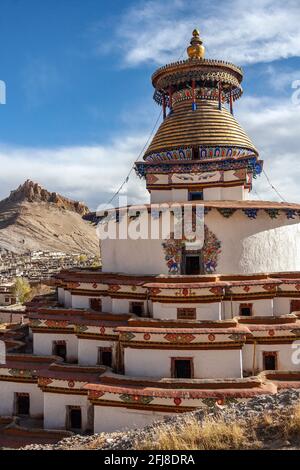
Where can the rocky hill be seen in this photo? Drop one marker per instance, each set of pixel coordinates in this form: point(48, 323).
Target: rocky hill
point(32, 218)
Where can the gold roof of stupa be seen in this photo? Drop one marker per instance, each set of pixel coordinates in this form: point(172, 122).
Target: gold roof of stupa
point(207, 126)
point(204, 124)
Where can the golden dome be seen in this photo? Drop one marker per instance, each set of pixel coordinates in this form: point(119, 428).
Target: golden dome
point(206, 126)
point(196, 50)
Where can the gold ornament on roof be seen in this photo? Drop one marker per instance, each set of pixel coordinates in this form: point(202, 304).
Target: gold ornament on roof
point(196, 50)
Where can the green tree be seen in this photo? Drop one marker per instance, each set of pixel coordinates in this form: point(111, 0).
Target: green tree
point(21, 290)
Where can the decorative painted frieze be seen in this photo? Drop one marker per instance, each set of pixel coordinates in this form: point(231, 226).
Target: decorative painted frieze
point(179, 338)
point(135, 399)
point(44, 381)
point(251, 213)
point(80, 329)
point(226, 211)
point(173, 254)
point(21, 373)
point(290, 214)
point(224, 152)
point(178, 154)
point(208, 337)
point(273, 213)
point(205, 93)
point(250, 163)
point(56, 323)
point(221, 401)
point(128, 336)
point(35, 323)
point(185, 292)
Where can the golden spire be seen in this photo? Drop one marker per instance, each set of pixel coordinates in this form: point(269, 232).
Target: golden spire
point(196, 50)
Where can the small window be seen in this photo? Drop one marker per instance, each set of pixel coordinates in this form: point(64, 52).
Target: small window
point(74, 418)
point(22, 404)
point(137, 308)
point(270, 360)
point(186, 314)
point(96, 304)
point(182, 368)
point(196, 196)
point(246, 310)
point(105, 357)
point(295, 305)
point(60, 349)
point(6, 300)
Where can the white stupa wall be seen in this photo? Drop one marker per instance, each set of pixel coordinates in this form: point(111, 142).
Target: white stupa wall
point(247, 246)
point(168, 311)
point(55, 409)
point(110, 419)
point(88, 350)
point(260, 307)
point(8, 398)
point(43, 344)
point(287, 357)
point(207, 363)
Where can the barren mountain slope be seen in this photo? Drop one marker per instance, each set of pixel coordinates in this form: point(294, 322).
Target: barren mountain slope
point(32, 218)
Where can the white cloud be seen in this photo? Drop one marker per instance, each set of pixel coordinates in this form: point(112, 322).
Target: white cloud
point(281, 79)
point(90, 174)
point(237, 30)
point(274, 128)
point(94, 173)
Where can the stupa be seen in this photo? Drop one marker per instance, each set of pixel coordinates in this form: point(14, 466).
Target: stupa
point(164, 326)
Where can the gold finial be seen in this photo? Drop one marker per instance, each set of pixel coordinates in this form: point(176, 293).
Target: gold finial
point(196, 50)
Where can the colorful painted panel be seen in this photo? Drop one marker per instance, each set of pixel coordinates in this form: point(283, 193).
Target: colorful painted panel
point(179, 154)
point(229, 163)
point(223, 152)
point(211, 249)
point(173, 254)
point(192, 178)
point(206, 93)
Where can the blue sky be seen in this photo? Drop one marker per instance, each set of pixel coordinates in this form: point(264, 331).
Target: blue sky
point(79, 98)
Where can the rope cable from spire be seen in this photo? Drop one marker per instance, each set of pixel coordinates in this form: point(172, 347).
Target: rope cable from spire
point(141, 152)
point(273, 187)
point(139, 155)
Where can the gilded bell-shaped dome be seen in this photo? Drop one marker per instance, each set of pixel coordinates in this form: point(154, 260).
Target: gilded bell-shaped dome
point(207, 126)
point(196, 50)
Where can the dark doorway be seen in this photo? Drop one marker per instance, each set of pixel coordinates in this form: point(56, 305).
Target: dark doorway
point(192, 264)
point(75, 419)
point(182, 368)
point(95, 304)
point(22, 404)
point(196, 196)
point(270, 361)
point(246, 310)
point(60, 349)
point(137, 308)
point(105, 357)
point(295, 305)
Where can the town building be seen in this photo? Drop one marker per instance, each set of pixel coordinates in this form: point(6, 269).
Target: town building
point(7, 296)
point(39, 266)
